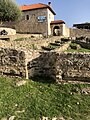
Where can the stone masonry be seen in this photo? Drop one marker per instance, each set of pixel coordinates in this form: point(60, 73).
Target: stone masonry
point(12, 62)
point(55, 64)
point(32, 25)
point(79, 32)
point(61, 66)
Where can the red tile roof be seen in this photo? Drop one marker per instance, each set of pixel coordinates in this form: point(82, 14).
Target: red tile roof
point(36, 6)
point(57, 22)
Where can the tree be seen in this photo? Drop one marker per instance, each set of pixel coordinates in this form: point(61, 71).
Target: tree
point(9, 11)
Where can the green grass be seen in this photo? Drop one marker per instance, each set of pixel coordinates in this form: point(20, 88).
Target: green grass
point(79, 50)
point(50, 47)
point(50, 99)
point(19, 39)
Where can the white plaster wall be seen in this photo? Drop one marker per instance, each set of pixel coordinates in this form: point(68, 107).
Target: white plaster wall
point(9, 30)
point(50, 17)
point(65, 31)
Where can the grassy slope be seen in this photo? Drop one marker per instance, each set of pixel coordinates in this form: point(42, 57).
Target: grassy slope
point(49, 99)
point(80, 50)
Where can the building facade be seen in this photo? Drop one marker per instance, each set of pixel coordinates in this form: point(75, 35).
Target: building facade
point(59, 28)
point(36, 18)
point(39, 19)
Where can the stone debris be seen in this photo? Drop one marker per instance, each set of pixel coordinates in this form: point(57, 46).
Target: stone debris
point(86, 91)
point(54, 118)
point(11, 118)
point(4, 118)
point(44, 118)
point(16, 105)
point(20, 83)
point(77, 103)
point(20, 111)
point(60, 118)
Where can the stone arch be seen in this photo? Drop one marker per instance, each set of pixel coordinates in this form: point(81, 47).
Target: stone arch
point(56, 31)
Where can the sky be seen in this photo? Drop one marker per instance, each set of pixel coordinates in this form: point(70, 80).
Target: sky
point(71, 11)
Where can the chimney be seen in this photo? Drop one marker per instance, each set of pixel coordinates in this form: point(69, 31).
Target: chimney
point(49, 4)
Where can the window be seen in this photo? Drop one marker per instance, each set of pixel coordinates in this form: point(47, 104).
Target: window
point(41, 18)
point(27, 17)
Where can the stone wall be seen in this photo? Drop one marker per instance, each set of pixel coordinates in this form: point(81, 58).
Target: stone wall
point(12, 62)
point(79, 32)
point(55, 64)
point(10, 31)
point(32, 25)
point(83, 43)
point(73, 66)
point(61, 66)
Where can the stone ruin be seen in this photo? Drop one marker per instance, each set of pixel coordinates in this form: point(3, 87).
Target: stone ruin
point(56, 65)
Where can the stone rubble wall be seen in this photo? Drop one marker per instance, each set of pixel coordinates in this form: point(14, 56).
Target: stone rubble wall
point(55, 64)
point(73, 66)
point(28, 42)
point(12, 62)
point(45, 63)
point(83, 43)
point(22, 36)
point(79, 32)
point(61, 66)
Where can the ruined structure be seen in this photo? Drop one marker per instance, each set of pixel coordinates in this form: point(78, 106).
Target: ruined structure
point(55, 64)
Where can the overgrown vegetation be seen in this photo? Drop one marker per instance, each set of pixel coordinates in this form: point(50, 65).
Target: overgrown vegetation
point(79, 50)
point(19, 39)
point(51, 46)
point(29, 101)
point(73, 47)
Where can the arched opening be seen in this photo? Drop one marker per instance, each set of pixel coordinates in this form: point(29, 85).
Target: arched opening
point(56, 31)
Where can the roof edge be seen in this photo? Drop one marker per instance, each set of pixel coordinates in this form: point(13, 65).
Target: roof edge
point(45, 6)
point(57, 22)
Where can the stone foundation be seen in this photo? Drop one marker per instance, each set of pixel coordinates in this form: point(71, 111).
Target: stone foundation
point(12, 62)
point(55, 64)
point(61, 66)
